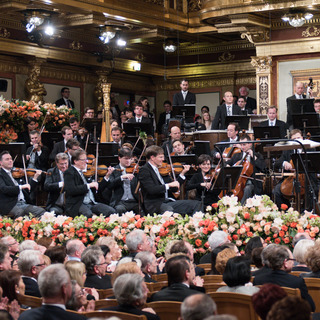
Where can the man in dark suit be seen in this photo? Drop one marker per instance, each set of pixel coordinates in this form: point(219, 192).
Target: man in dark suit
point(60, 146)
point(15, 195)
point(65, 93)
point(123, 185)
point(54, 184)
point(273, 121)
point(55, 287)
point(281, 262)
point(298, 94)
point(80, 194)
point(184, 96)
point(30, 264)
point(37, 154)
point(157, 190)
point(149, 265)
point(164, 117)
point(180, 276)
point(96, 267)
point(138, 111)
point(316, 105)
point(224, 110)
point(175, 134)
point(242, 103)
point(251, 103)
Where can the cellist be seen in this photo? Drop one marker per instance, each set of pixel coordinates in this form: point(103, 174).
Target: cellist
point(255, 163)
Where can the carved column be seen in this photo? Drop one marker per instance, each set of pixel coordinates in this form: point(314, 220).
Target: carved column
point(263, 67)
point(34, 88)
point(102, 79)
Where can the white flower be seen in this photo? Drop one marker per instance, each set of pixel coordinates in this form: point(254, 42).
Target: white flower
point(48, 217)
point(60, 220)
point(114, 218)
point(47, 230)
point(277, 222)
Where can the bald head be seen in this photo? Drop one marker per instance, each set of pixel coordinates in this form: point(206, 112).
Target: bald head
point(198, 307)
point(175, 133)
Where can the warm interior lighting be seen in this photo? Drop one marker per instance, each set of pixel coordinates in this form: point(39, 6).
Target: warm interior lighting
point(106, 34)
point(136, 66)
point(297, 19)
point(170, 45)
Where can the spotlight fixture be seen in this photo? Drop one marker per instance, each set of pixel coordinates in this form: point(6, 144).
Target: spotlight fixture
point(297, 19)
point(170, 45)
point(49, 30)
point(107, 33)
point(136, 66)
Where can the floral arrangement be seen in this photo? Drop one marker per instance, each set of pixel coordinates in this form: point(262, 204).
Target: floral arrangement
point(259, 217)
point(14, 113)
point(7, 135)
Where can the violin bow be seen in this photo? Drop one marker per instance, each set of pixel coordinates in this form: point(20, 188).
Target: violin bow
point(85, 149)
point(136, 144)
point(24, 168)
point(41, 130)
point(96, 164)
point(172, 169)
point(136, 167)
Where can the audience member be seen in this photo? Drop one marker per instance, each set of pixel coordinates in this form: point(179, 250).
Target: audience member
point(5, 259)
point(256, 257)
point(11, 284)
point(12, 243)
point(79, 301)
point(28, 245)
point(312, 259)
point(148, 264)
point(269, 249)
point(300, 236)
point(74, 249)
point(115, 251)
point(137, 241)
point(299, 253)
point(132, 266)
point(197, 307)
point(56, 254)
point(222, 259)
point(255, 242)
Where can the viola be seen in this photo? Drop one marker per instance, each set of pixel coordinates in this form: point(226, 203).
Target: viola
point(229, 152)
point(18, 173)
point(166, 169)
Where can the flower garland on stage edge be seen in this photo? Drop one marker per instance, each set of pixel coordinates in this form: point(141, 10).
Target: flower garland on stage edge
point(259, 217)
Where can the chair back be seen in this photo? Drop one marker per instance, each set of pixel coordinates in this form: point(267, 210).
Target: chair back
point(105, 303)
point(205, 266)
point(296, 273)
point(292, 292)
point(105, 293)
point(109, 313)
point(239, 305)
point(166, 310)
point(160, 277)
point(212, 278)
point(313, 285)
point(30, 301)
point(156, 286)
point(213, 287)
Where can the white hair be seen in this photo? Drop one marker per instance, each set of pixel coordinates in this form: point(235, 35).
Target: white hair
point(217, 238)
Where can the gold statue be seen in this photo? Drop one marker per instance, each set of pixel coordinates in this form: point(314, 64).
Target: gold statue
point(102, 79)
point(34, 88)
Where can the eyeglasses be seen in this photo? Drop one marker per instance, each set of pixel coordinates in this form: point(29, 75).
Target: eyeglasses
point(101, 264)
point(291, 259)
point(81, 293)
point(40, 265)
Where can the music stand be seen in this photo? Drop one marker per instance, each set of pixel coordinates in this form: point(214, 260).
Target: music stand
point(202, 147)
point(108, 160)
point(50, 138)
point(185, 159)
point(132, 129)
point(242, 121)
point(106, 149)
point(227, 178)
point(15, 149)
point(266, 132)
point(186, 112)
point(93, 125)
point(299, 106)
point(305, 120)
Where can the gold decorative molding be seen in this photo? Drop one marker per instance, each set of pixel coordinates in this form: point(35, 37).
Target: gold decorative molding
point(226, 56)
point(158, 2)
point(263, 94)
point(4, 33)
point(262, 64)
point(194, 5)
point(256, 35)
point(98, 91)
point(140, 57)
point(75, 45)
point(312, 31)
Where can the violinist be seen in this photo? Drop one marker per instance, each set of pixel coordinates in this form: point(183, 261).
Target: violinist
point(175, 134)
point(80, 195)
point(72, 145)
point(202, 181)
point(54, 184)
point(79, 133)
point(116, 135)
point(178, 148)
point(30, 124)
point(157, 190)
point(15, 194)
point(60, 146)
point(122, 184)
point(258, 165)
point(232, 133)
point(37, 154)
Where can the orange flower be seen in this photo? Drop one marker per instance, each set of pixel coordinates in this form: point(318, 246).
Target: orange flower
point(284, 206)
point(198, 242)
point(277, 241)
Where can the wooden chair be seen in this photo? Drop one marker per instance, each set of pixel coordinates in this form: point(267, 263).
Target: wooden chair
point(156, 286)
point(292, 292)
point(205, 266)
point(212, 278)
point(108, 313)
point(105, 303)
point(30, 301)
point(236, 304)
point(296, 273)
point(213, 287)
point(166, 310)
point(313, 285)
point(105, 293)
point(160, 277)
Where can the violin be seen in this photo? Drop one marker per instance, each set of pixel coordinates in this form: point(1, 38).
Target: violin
point(134, 168)
point(166, 168)
point(90, 159)
point(229, 152)
point(18, 173)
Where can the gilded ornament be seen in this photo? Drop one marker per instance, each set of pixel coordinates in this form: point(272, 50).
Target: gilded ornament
point(158, 2)
point(262, 64)
point(140, 57)
point(256, 36)
point(263, 94)
point(98, 91)
point(311, 32)
point(75, 45)
point(226, 56)
point(194, 5)
point(4, 33)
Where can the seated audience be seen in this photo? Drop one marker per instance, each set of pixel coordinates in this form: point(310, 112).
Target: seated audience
point(74, 249)
point(181, 274)
point(255, 242)
point(79, 301)
point(56, 254)
point(148, 264)
point(312, 259)
point(299, 253)
point(222, 259)
point(256, 258)
point(127, 266)
point(206, 120)
point(5, 259)
point(115, 251)
point(28, 245)
point(266, 297)
point(55, 288)
point(13, 245)
point(11, 284)
point(137, 241)
point(31, 263)
point(96, 267)
point(237, 275)
point(198, 307)
point(131, 293)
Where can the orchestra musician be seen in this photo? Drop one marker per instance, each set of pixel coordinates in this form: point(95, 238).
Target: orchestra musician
point(60, 146)
point(122, 184)
point(72, 146)
point(184, 96)
point(178, 147)
point(15, 194)
point(116, 135)
point(175, 134)
point(80, 195)
point(30, 124)
point(54, 184)
point(138, 111)
point(37, 154)
point(316, 105)
point(79, 133)
point(202, 181)
point(258, 165)
point(157, 190)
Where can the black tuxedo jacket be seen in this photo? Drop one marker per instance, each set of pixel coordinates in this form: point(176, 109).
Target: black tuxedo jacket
point(61, 102)
point(179, 101)
point(224, 146)
point(143, 120)
point(153, 191)
point(57, 148)
point(133, 310)
point(221, 114)
point(75, 190)
point(47, 312)
point(51, 185)
point(161, 121)
point(9, 192)
point(175, 292)
point(251, 103)
point(93, 281)
point(284, 279)
point(281, 124)
point(32, 288)
point(289, 109)
point(116, 185)
point(41, 162)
